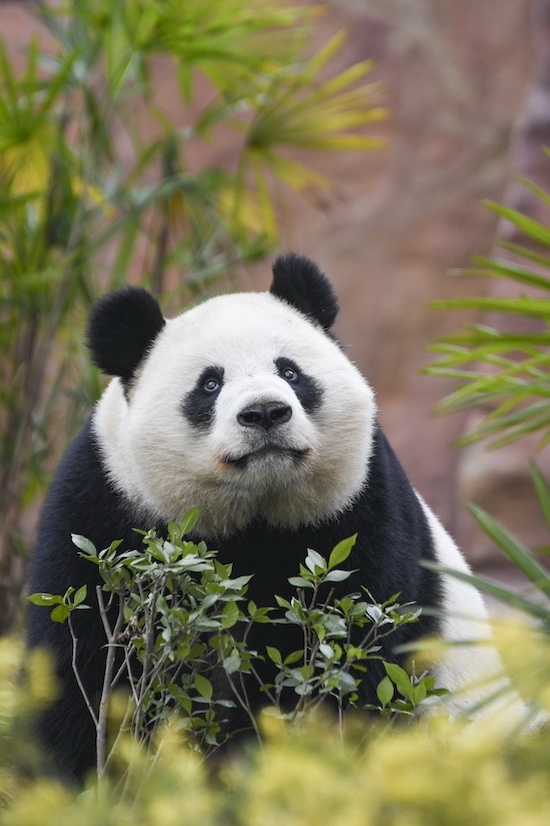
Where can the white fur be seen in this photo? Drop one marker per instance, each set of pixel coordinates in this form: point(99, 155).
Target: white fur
point(473, 673)
point(165, 465)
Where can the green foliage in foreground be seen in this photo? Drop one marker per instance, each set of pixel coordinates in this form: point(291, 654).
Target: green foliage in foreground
point(440, 773)
point(304, 768)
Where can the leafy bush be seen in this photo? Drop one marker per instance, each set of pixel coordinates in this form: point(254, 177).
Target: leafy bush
point(445, 773)
point(173, 608)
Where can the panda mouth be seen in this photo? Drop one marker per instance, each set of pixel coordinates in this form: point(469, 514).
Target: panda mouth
point(241, 462)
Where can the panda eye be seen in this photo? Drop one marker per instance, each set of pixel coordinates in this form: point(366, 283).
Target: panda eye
point(211, 385)
point(289, 374)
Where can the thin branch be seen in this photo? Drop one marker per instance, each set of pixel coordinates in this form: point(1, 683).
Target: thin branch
point(101, 730)
point(77, 675)
point(245, 707)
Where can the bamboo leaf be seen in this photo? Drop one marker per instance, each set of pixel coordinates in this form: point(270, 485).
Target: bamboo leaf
point(505, 269)
point(536, 190)
point(500, 592)
point(531, 228)
point(539, 308)
point(325, 54)
point(542, 491)
point(529, 254)
point(513, 548)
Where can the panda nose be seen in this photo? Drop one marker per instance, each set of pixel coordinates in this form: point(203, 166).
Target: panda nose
point(264, 415)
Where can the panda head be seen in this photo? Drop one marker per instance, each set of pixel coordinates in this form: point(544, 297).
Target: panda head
point(244, 405)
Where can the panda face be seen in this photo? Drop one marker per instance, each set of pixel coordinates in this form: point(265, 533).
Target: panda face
point(246, 408)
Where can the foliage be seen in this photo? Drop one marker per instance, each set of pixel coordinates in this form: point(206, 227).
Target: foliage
point(173, 607)
point(445, 773)
point(501, 370)
point(100, 185)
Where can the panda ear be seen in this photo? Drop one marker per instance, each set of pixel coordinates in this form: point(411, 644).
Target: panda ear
point(122, 327)
point(300, 282)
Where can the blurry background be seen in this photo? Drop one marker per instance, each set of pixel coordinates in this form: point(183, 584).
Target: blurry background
point(467, 86)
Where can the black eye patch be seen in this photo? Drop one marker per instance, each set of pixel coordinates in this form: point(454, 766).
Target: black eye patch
point(308, 392)
point(198, 405)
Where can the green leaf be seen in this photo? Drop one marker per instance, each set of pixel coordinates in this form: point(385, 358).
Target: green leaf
point(337, 575)
point(80, 595)
point(341, 551)
point(261, 615)
point(189, 521)
point(513, 548)
point(529, 226)
point(83, 544)
point(505, 269)
point(419, 693)
point(232, 663)
point(274, 655)
point(300, 582)
point(314, 561)
point(347, 683)
point(203, 686)
point(401, 679)
point(236, 584)
point(294, 657)
point(528, 254)
point(385, 691)
point(542, 491)
point(375, 613)
point(327, 650)
point(230, 614)
point(45, 599)
point(506, 595)
point(525, 306)
point(60, 613)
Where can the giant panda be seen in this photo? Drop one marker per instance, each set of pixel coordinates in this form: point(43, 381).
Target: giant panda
point(247, 406)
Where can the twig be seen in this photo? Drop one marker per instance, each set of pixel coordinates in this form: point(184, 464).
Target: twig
point(101, 728)
point(77, 675)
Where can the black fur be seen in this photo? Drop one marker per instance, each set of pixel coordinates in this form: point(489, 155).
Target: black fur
point(300, 282)
point(199, 404)
point(308, 392)
point(122, 327)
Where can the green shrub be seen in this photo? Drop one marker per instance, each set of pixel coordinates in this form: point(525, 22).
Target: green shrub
point(174, 608)
point(445, 773)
